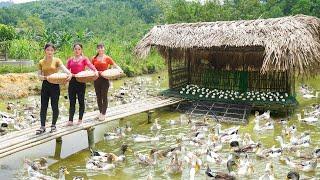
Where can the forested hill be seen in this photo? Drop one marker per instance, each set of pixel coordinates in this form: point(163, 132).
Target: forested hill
point(121, 18)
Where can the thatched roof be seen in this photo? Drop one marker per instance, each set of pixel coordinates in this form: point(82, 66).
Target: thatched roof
point(288, 42)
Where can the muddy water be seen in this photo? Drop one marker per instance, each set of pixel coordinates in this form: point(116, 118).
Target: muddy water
point(74, 152)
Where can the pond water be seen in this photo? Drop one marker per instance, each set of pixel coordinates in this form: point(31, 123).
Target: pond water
point(75, 154)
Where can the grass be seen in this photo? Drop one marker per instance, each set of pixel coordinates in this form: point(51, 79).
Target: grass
point(17, 69)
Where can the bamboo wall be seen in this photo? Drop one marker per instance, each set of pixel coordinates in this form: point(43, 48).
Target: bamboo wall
point(236, 69)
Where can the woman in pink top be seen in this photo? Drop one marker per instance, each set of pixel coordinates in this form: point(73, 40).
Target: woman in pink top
point(77, 89)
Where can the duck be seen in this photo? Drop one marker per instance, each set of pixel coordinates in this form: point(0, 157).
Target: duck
point(228, 131)
point(264, 116)
point(218, 175)
point(283, 145)
point(310, 96)
point(128, 128)
point(3, 128)
point(293, 175)
point(303, 140)
point(234, 145)
point(155, 126)
point(118, 158)
point(100, 166)
point(213, 157)
point(309, 119)
point(149, 159)
point(175, 166)
point(246, 167)
point(305, 166)
point(267, 126)
point(62, 172)
point(40, 164)
point(269, 174)
point(143, 138)
point(247, 140)
point(78, 178)
point(314, 155)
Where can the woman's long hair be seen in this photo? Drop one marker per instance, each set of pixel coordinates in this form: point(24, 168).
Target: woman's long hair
point(99, 46)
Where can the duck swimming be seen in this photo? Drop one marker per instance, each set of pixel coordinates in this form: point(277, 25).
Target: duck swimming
point(143, 138)
point(269, 174)
point(305, 166)
point(155, 126)
point(218, 175)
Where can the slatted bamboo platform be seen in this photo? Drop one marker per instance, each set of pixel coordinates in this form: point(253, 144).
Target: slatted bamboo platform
point(20, 140)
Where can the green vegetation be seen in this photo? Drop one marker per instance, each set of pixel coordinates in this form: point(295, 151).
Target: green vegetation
point(121, 23)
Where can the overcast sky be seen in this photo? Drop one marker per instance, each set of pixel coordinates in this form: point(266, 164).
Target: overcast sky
point(17, 1)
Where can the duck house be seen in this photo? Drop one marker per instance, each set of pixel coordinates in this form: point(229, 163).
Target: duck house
point(252, 62)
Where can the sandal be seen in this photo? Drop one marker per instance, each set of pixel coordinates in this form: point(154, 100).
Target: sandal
point(53, 129)
point(79, 122)
point(40, 131)
point(69, 123)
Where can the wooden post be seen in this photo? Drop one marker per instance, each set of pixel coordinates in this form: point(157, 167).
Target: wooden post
point(90, 133)
point(302, 114)
point(150, 116)
point(57, 152)
point(170, 69)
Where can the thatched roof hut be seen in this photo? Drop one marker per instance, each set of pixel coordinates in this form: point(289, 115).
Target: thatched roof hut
point(283, 44)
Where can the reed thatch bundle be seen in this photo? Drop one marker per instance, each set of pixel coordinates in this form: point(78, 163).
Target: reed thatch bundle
point(288, 43)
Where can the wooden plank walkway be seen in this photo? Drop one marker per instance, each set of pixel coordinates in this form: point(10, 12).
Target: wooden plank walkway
point(20, 140)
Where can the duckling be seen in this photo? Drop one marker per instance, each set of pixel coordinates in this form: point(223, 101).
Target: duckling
point(292, 175)
point(269, 174)
point(309, 119)
point(305, 166)
point(149, 159)
point(155, 126)
point(143, 138)
point(218, 175)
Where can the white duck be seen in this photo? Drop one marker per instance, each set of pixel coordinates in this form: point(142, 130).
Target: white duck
point(213, 157)
point(155, 126)
point(309, 119)
point(100, 166)
point(303, 140)
point(264, 116)
point(305, 166)
point(310, 96)
point(143, 138)
point(147, 159)
point(269, 174)
point(267, 126)
point(246, 167)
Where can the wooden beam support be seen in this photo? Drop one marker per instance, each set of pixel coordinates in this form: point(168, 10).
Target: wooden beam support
point(57, 151)
point(90, 133)
point(150, 116)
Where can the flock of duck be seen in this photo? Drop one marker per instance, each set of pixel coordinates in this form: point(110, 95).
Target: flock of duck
point(202, 152)
point(21, 115)
point(207, 149)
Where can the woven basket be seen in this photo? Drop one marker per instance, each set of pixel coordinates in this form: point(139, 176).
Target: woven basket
point(112, 74)
point(58, 78)
point(86, 76)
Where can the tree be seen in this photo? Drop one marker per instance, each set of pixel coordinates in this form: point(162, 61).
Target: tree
point(7, 33)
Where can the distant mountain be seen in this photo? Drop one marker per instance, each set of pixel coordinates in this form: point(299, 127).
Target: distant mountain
point(5, 4)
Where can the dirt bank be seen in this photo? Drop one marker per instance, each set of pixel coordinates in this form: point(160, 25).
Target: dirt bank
point(19, 85)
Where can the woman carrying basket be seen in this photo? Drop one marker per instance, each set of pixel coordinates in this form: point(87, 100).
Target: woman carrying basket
point(77, 89)
point(47, 66)
point(102, 62)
